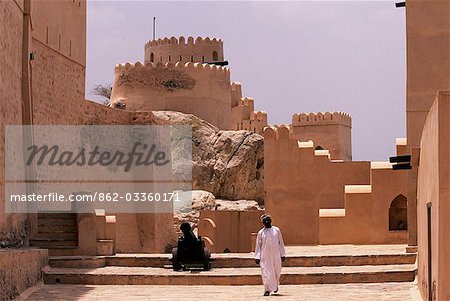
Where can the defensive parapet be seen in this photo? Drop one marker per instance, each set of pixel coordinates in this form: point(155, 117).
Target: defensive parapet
point(258, 116)
point(303, 119)
point(255, 123)
point(187, 67)
point(328, 130)
point(184, 50)
point(191, 88)
point(243, 116)
point(236, 93)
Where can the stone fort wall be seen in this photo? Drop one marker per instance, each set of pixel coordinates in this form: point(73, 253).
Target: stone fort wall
point(12, 226)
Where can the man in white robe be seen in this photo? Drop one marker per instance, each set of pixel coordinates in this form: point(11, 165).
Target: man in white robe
point(269, 254)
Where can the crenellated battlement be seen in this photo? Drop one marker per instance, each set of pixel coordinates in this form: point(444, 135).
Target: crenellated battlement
point(236, 86)
point(247, 102)
point(189, 67)
point(258, 116)
point(284, 132)
point(183, 41)
point(304, 119)
point(184, 50)
point(277, 132)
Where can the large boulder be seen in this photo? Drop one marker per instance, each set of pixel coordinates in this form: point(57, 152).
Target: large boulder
point(240, 205)
point(229, 164)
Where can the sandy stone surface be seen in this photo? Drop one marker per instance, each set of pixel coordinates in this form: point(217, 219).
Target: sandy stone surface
point(319, 292)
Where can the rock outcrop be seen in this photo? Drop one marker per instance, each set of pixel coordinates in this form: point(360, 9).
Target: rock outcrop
point(229, 164)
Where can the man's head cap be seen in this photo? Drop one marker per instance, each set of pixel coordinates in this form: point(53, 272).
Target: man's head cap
point(264, 216)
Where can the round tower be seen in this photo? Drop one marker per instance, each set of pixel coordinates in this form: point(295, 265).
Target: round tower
point(184, 50)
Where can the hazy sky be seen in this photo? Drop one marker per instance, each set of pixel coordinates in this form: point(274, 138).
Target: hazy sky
point(300, 56)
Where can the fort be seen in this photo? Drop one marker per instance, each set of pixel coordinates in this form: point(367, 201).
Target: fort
point(315, 192)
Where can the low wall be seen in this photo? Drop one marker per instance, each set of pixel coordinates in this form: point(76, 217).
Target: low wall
point(20, 269)
point(230, 230)
point(366, 217)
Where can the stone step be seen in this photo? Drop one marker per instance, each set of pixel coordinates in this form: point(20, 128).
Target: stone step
point(228, 276)
point(43, 228)
point(61, 235)
point(53, 243)
point(57, 215)
point(230, 260)
point(56, 222)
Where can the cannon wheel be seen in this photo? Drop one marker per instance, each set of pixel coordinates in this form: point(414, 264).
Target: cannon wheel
point(206, 262)
point(175, 264)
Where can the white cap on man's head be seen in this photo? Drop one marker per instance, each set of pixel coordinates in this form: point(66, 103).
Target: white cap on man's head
point(264, 216)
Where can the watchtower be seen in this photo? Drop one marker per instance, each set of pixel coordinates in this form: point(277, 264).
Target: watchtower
point(173, 50)
point(329, 130)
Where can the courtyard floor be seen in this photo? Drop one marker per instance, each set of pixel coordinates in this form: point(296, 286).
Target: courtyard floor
point(324, 292)
point(395, 291)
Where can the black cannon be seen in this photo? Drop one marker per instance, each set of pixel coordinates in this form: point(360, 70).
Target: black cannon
point(218, 63)
point(190, 252)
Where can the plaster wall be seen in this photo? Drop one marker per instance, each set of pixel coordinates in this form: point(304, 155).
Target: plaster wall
point(144, 233)
point(428, 60)
point(12, 226)
point(57, 86)
point(299, 181)
point(61, 25)
point(433, 189)
point(428, 70)
point(366, 217)
point(230, 230)
point(202, 90)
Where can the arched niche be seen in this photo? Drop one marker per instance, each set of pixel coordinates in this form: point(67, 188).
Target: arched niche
point(398, 214)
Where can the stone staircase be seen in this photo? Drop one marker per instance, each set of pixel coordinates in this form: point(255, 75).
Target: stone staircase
point(325, 266)
point(56, 231)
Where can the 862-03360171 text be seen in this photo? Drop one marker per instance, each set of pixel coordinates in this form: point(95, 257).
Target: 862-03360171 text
point(98, 197)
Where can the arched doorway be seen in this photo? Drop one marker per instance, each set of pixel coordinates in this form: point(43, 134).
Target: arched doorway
point(398, 214)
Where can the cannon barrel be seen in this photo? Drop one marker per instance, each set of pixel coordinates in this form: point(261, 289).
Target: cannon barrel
point(219, 63)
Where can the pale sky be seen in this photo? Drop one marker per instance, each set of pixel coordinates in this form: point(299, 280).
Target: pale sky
point(298, 56)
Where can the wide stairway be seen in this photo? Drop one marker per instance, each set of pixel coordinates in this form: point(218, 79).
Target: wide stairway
point(56, 231)
point(303, 265)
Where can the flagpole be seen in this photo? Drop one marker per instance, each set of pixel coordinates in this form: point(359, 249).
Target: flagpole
point(154, 27)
